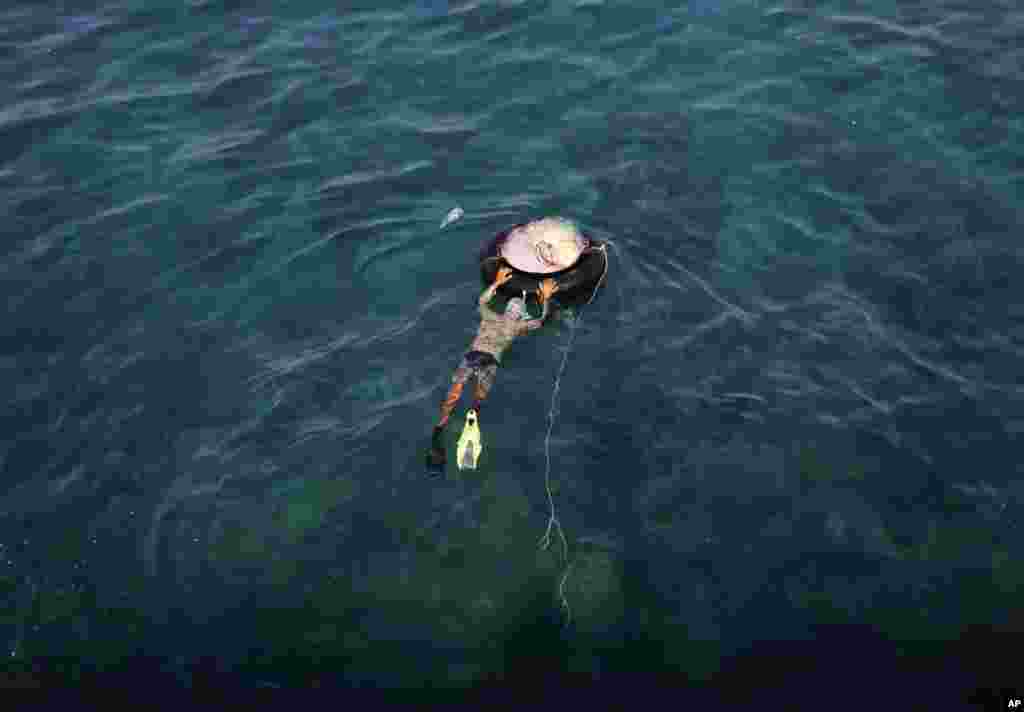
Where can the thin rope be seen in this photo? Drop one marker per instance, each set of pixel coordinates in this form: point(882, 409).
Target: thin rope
point(553, 522)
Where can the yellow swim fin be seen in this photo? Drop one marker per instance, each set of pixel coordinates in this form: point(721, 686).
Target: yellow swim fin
point(470, 443)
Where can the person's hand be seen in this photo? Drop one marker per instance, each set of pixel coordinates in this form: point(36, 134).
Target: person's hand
point(504, 275)
point(547, 288)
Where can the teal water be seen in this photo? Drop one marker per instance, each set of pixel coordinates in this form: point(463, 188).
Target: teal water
point(231, 316)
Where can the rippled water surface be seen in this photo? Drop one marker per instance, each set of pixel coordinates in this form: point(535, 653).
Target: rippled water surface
point(231, 317)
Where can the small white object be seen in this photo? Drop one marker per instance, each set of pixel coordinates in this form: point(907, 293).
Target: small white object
point(452, 216)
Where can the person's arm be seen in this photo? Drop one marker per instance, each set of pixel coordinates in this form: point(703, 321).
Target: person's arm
point(488, 294)
point(534, 324)
point(503, 275)
point(547, 288)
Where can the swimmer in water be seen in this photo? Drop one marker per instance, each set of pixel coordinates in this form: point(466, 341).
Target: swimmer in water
point(496, 333)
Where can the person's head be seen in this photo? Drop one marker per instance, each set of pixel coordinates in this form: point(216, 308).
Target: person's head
point(516, 308)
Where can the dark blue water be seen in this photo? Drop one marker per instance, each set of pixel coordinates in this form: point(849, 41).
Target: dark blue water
point(791, 418)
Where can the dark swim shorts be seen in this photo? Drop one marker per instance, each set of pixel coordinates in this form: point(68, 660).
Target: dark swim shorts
point(479, 363)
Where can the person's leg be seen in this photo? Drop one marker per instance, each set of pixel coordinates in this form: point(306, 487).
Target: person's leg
point(459, 378)
point(450, 401)
point(484, 380)
point(437, 455)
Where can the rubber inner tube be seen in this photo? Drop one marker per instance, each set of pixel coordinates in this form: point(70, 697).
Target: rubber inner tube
point(575, 283)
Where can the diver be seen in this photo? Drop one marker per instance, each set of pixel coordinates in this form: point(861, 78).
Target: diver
point(496, 333)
